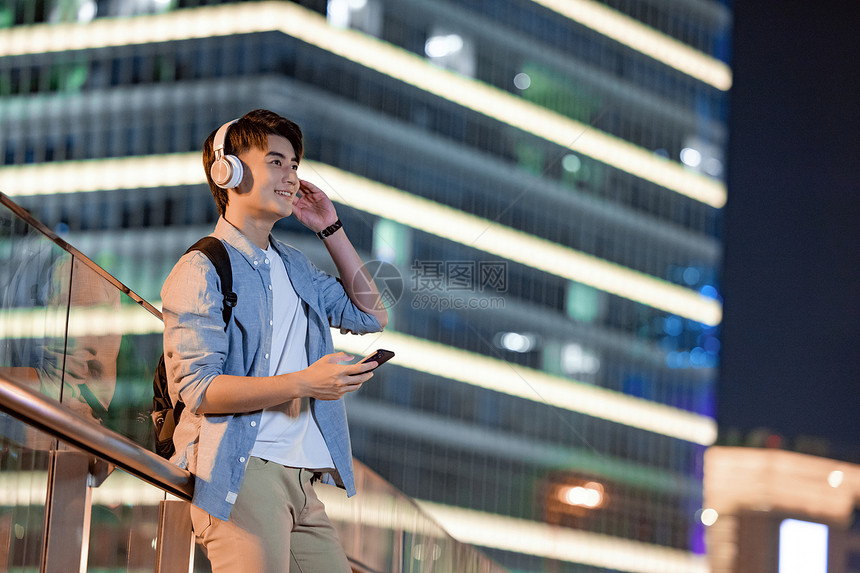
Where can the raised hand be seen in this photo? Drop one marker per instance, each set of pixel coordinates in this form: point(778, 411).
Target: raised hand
point(313, 208)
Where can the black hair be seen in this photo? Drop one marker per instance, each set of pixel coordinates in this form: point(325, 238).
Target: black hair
point(251, 130)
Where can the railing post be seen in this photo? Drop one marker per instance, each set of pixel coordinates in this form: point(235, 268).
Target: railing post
point(67, 513)
point(397, 550)
point(174, 548)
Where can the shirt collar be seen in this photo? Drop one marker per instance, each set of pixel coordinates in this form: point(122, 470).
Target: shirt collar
point(227, 232)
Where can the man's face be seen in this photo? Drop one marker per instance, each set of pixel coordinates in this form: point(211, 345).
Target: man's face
point(270, 185)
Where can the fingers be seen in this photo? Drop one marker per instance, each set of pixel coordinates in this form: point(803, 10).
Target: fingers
point(353, 376)
point(333, 380)
point(76, 368)
point(308, 187)
point(367, 366)
point(338, 357)
point(354, 381)
point(344, 384)
point(354, 370)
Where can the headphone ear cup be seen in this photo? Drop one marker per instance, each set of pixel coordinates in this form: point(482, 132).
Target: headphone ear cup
point(227, 172)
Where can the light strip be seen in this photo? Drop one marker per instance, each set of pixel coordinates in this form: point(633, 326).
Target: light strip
point(514, 380)
point(508, 534)
point(313, 29)
point(90, 175)
point(23, 488)
point(414, 353)
point(564, 544)
point(644, 39)
point(383, 201)
point(83, 321)
point(491, 237)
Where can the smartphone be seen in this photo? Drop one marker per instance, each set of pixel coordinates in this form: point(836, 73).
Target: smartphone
point(381, 356)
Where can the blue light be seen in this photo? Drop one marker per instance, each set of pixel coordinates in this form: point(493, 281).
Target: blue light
point(709, 291)
point(678, 359)
point(673, 360)
point(712, 359)
point(712, 344)
point(673, 326)
point(691, 275)
point(698, 357)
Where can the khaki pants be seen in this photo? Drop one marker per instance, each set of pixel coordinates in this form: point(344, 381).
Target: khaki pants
point(277, 525)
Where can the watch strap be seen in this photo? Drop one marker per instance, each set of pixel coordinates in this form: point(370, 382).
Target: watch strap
point(330, 230)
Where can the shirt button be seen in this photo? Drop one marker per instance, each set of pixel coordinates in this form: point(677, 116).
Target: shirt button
point(270, 287)
point(253, 424)
point(242, 459)
point(267, 356)
point(267, 261)
point(271, 323)
point(256, 263)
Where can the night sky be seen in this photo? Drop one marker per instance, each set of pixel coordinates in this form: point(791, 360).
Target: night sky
point(791, 282)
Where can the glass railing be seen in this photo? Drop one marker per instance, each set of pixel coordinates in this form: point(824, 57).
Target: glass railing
point(23, 490)
point(79, 497)
point(71, 331)
point(384, 530)
point(77, 354)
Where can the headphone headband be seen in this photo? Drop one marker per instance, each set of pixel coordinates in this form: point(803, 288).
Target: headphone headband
point(220, 138)
point(226, 170)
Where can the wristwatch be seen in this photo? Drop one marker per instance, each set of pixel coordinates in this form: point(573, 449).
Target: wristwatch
point(330, 230)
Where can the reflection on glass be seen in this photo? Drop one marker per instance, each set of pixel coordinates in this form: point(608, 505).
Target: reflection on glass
point(384, 530)
point(33, 315)
point(123, 519)
point(123, 525)
point(68, 332)
point(40, 289)
point(91, 354)
point(23, 490)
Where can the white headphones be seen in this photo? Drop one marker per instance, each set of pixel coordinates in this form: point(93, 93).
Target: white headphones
point(226, 170)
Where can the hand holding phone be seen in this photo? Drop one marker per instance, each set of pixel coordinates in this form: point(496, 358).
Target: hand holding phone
point(381, 356)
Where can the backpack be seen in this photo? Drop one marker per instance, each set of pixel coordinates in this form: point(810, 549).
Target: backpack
point(165, 414)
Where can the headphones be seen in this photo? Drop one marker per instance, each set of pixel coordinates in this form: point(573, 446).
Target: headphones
point(226, 170)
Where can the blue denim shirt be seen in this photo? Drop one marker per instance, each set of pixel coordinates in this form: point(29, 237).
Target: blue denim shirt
point(216, 448)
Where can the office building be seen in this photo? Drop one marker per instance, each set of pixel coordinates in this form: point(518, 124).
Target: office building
point(539, 184)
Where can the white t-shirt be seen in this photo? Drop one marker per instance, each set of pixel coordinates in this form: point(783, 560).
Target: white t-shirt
point(288, 433)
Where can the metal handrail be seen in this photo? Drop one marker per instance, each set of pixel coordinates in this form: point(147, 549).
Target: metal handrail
point(51, 416)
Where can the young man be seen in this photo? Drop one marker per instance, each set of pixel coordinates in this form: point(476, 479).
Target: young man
point(264, 416)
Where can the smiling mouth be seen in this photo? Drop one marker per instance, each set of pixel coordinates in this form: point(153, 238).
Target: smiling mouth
point(284, 193)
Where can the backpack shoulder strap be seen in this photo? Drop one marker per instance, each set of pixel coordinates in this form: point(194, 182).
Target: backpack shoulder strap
point(217, 253)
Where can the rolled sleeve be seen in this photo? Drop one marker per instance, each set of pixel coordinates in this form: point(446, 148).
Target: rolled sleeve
point(195, 342)
point(341, 312)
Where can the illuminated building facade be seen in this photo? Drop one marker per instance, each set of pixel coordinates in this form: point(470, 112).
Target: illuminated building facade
point(540, 183)
point(776, 511)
